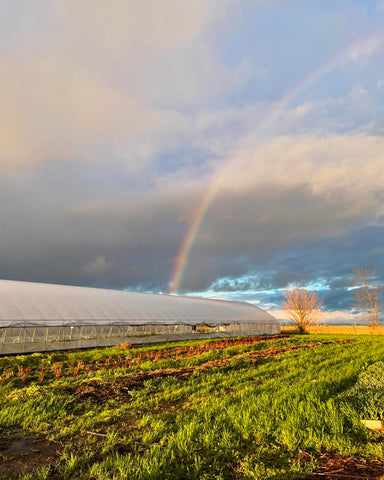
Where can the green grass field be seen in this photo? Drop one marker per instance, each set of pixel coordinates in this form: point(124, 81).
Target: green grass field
point(248, 411)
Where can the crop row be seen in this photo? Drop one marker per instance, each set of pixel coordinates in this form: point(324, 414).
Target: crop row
point(125, 360)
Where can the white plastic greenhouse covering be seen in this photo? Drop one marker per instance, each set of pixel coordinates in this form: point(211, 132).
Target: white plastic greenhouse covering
point(40, 317)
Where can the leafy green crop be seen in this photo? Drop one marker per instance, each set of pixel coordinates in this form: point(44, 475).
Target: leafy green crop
point(366, 397)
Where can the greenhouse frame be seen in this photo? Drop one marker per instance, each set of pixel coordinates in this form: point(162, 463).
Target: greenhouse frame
point(37, 317)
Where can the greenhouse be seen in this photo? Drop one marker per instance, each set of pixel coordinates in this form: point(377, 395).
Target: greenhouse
point(38, 317)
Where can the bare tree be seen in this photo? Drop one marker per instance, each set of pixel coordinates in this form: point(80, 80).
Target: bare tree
point(367, 294)
point(303, 306)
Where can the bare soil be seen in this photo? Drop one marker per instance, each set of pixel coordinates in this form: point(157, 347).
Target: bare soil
point(332, 466)
point(23, 452)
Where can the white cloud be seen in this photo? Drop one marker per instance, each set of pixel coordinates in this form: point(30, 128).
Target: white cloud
point(127, 26)
point(365, 47)
point(352, 162)
point(87, 92)
point(114, 82)
point(54, 112)
point(96, 267)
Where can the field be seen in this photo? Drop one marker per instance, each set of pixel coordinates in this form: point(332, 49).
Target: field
point(247, 408)
point(337, 329)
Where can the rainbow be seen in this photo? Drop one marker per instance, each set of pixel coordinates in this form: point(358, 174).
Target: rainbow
point(351, 52)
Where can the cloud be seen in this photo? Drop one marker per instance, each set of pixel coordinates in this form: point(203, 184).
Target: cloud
point(141, 27)
point(365, 47)
point(115, 117)
point(275, 201)
point(324, 265)
point(112, 83)
point(97, 266)
point(352, 162)
point(59, 111)
point(108, 82)
point(286, 193)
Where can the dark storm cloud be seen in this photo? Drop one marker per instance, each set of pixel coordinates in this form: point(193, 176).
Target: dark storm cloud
point(110, 138)
point(324, 265)
point(93, 231)
point(244, 233)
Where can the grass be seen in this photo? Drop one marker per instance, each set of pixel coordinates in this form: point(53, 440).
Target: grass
point(267, 419)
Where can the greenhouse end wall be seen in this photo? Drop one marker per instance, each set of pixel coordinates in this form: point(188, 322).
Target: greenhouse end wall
point(16, 340)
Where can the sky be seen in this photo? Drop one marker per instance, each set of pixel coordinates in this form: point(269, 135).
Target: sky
point(224, 149)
